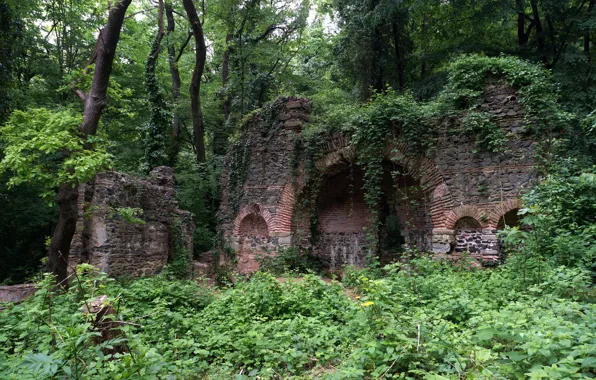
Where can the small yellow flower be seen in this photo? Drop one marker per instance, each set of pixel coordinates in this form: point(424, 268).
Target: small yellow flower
point(366, 304)
point(357, 297)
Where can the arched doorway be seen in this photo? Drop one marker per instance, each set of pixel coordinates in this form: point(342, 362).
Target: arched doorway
point(342, 218)
point(253, 233)
point(509, 219)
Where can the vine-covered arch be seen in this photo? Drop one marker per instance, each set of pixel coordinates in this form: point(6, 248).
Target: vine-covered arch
point(339, 152)
point(252, 210)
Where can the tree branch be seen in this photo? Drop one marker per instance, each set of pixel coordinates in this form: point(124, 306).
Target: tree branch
point(183, 46)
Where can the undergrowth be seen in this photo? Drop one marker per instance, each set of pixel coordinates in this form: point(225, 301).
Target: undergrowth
point(422, 320)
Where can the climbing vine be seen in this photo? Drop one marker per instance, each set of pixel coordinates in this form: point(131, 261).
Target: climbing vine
point(489, 137)
point(155, 132)
point(179, 265)
point(391, 116)
point(237, 171)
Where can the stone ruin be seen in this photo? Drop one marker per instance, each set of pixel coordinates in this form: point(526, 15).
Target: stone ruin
point(105, 238)
point(117, 245)
point(451, 201)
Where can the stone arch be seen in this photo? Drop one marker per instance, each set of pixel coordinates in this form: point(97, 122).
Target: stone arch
point(503, 208)
point(340, 152)
point(252, 228)
point(470, 211)
point(253, 225)
point(281, 223)
point(253, 210)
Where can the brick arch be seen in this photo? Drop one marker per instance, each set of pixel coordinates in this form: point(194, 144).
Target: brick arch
point(463, 211)
point(339, 152)
point(503, 208)
point(252, 209)
point(282, 221)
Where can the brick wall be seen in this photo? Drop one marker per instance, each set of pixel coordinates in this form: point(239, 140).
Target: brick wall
point(433, 192)
point(340, 205)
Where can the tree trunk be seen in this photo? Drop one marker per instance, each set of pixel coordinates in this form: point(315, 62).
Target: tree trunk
point(94, 102)
point(156, 145)
point(587, 32)
point(225, 70)
point(522, 37)
point(176, 82)
point(377, 81)
point(156, 47)
point(195, 85)
point(401, 80)
point(64, 231)
point(539, 30)
point(423, 64)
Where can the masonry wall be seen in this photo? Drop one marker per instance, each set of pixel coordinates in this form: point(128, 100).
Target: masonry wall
point(455, 181)
point(107, 241)
point(267, 193)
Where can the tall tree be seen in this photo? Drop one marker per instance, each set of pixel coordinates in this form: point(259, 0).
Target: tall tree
point(176, 83)
point(155, 132)
point(195, 85)
point(94, 102)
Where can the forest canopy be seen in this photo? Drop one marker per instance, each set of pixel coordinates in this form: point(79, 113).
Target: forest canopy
point(88, 86)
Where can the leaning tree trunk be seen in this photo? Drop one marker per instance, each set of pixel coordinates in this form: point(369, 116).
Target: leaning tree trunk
point(175, 74)
point(195, 85)
point(94, 103)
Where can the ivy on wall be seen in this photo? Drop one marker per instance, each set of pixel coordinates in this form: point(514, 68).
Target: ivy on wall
point(155, 132)
point(390, 116)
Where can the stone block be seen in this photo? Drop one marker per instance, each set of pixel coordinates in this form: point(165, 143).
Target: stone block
point(16, 293)
point(293, 124)
point(293, 104)
point(441, 248)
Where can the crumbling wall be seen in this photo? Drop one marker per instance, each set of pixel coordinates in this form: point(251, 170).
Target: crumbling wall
point(429, 195)
point(109, 239)
point(16, 293)
point(263, 157)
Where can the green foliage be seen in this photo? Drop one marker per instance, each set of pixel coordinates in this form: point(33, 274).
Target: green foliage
point(130, 215)
point(489, 136)
point(424, 319)
point(289, 260)
point(198, 191)
point(7, 41)
point(26, 221)
point(156, 131)
point(561, 213)
point(180, 263)
point(35, 143)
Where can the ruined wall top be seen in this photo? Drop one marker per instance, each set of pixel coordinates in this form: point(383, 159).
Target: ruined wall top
point(453, 180)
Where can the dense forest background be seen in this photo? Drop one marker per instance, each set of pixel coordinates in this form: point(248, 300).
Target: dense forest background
point(336, 52)
point(78, 97)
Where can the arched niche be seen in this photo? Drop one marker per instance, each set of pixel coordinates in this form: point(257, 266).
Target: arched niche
point(343, 219)
point(468, 236)
point(509, 219)
point(253, 234)
point(253, 225)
